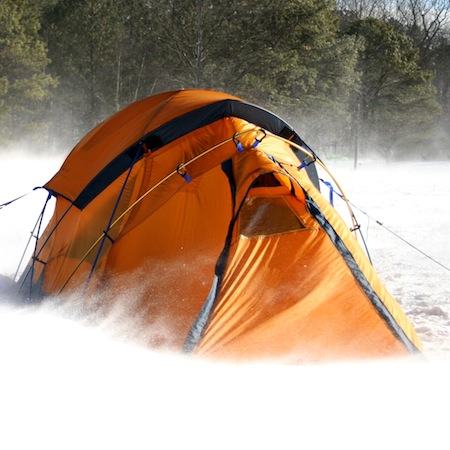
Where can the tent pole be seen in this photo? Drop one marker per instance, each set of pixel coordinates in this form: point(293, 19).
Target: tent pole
point(139, 148)
point(35, 258)
point(45, 242)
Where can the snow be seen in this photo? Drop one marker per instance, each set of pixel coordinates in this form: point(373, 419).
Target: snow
point(65, 383)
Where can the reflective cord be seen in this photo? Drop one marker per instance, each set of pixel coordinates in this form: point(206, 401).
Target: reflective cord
point(9, 202)
point(401, 238)
point(356, 227)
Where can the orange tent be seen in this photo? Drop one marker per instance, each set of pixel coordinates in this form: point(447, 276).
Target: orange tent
point(211, 206)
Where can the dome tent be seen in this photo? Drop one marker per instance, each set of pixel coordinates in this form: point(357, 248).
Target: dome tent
point(211, 205)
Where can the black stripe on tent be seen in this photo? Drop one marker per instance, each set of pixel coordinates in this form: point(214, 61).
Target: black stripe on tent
point(360, 278)
point(198, 327)
point(227, 167)
point(183, 125)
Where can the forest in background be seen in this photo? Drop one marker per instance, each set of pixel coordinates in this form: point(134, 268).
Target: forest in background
point(371, 75)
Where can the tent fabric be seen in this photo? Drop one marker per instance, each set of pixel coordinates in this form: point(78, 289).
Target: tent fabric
point(226, 248)
point(193, 113)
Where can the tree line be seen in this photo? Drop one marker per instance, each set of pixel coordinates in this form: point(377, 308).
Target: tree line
point(350, 75)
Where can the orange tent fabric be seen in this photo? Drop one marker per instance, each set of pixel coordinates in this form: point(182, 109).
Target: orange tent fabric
point(207, 208)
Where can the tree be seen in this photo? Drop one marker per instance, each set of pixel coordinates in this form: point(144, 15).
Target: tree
point(108, 53)
point(396, 98)
point(332, 68)
point(425, 20)
point(294, 61)
point(139, 72)
point(361, 9)
point(190, 36)
point(82, 39)
point(24, 84)
point(442, 69)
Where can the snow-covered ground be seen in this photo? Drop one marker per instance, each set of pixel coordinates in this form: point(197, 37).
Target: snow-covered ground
point(65, 384)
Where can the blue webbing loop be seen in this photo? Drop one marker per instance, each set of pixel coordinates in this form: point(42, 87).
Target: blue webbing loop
point(238, 144)
point(258, 141)
point(183, 173)
point(302, 165)
point(187, 177)
point(331, 190)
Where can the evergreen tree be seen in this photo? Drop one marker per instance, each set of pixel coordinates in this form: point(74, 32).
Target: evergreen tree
point(335, 69)
point(287, 58)
point(82, 39)
point(24, 83)
point(396, 104)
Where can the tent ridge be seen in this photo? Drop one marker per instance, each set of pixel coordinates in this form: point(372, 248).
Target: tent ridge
point(179, 127)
